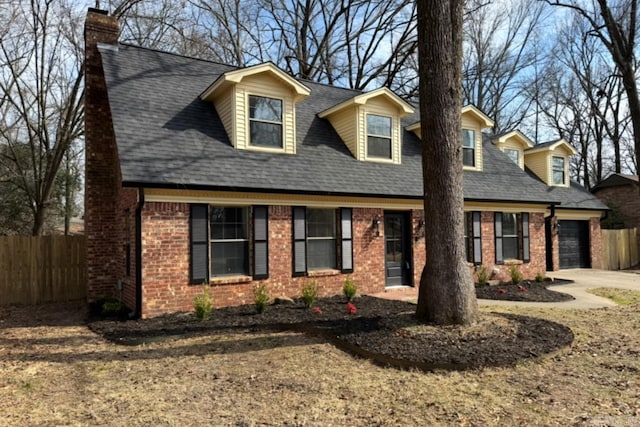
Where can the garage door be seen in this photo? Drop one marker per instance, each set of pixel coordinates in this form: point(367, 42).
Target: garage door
point(573, 242)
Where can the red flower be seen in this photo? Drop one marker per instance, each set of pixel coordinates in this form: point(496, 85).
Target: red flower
point(522, 288)
point(316, 310)
point(501, 290)
point(351, 308)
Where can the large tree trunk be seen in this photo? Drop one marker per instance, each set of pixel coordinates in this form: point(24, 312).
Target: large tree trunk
point(446, 293)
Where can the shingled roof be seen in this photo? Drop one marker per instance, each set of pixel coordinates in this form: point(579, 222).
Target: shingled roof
point(168, 137)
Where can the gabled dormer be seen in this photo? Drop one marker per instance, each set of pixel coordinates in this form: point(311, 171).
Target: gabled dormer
point(369, 125)
point(513, 144)
point(257, 107)
point(550, 162)
point(473, 122)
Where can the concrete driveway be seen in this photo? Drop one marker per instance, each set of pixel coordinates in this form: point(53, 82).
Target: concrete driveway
point(584, 279)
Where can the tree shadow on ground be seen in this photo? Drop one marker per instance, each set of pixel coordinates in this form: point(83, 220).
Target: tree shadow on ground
point(383, 331)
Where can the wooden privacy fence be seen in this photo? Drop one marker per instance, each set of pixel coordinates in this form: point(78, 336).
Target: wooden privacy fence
point(41, 269)
point(620, 248)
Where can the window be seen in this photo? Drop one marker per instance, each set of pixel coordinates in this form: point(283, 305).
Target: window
point(316, 239)
point(509, 236)
point(472, 237)
point(467, 227)
point(558, 170)
point(265, 122)
point(468, 147)
point(378, 136)
point(229, 241)
point(514, 155)
point(512, 236)
point(321, 239)
point(219, 242)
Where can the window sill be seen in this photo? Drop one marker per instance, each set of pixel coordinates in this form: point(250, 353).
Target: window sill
point(228, 280)
point(513, 262)
point(322, 273)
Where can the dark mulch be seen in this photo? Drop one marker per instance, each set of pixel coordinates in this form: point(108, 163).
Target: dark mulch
point(385, 331)
point(527, 291)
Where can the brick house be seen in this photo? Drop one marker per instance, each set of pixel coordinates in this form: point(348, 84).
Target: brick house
point(621, 191)
point(203, 172)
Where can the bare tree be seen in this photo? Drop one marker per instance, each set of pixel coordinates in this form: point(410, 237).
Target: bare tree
point(446, 292)
point(41, 87)
point(614, 24)
point(499, 52)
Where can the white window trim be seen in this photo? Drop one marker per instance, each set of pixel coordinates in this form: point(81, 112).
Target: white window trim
point(248, 144)
point(564, 171)
point(475, 149)
point(367, 135)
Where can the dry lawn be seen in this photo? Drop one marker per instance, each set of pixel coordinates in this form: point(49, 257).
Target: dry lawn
point(56, 372)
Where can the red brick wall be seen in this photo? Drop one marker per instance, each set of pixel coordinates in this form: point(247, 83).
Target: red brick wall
point(536, 265)
point(102, 176)
point(165, 269)
point(625, 197)
point(595, 240)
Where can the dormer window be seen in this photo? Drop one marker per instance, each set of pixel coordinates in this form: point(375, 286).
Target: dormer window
point(257, 107)
point(514, 155)
point(378, 136)
point(558, 170)
point(468, 147)
point(369, 125)
point(265, 122)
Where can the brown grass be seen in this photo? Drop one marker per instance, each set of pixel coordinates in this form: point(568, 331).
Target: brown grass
point(56, 372)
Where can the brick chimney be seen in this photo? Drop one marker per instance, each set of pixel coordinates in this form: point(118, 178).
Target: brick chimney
point(102, 172)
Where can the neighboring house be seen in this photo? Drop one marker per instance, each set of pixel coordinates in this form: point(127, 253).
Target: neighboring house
point(202, 172)
point(622, 192)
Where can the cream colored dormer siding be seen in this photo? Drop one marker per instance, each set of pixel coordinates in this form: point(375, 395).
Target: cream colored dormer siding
point(349, 119)
point(514, 140)
point(231, 94)
point(473, 119)
point(539, 159)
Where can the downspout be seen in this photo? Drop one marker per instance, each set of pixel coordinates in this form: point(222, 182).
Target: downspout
point(138, 309)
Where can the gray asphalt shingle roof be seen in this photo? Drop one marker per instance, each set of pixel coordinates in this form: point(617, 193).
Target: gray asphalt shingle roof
point(167, 136)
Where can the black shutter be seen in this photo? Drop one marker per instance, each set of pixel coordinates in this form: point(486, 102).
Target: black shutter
point(346, 240)
point(497, 221)
point(260, 242)
point(199, 236)
point(477, 237)
point(299, 241)
point(526, 257)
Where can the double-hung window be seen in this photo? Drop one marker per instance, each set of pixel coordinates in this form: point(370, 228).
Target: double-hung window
point(472, 237)
point(378, 136)
point(511, 236)
point(558, 170)
point(229, 229)
point(514, 155)
point(228, 241)
point(265, 122)
point(468, 147)
point(321, 241)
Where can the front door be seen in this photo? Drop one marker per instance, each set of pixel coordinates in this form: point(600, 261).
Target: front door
point(397, 241)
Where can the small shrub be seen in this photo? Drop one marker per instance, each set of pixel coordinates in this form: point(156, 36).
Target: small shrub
point(516, 276)
point(202, 304)
point(539, 277)
point(112, 308)
point(309, 293)
point(349, 289)
point(261, 296)
point(483, 275)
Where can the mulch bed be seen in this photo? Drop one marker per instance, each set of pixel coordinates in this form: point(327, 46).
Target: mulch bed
point(528, 291)
point(384, 331)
